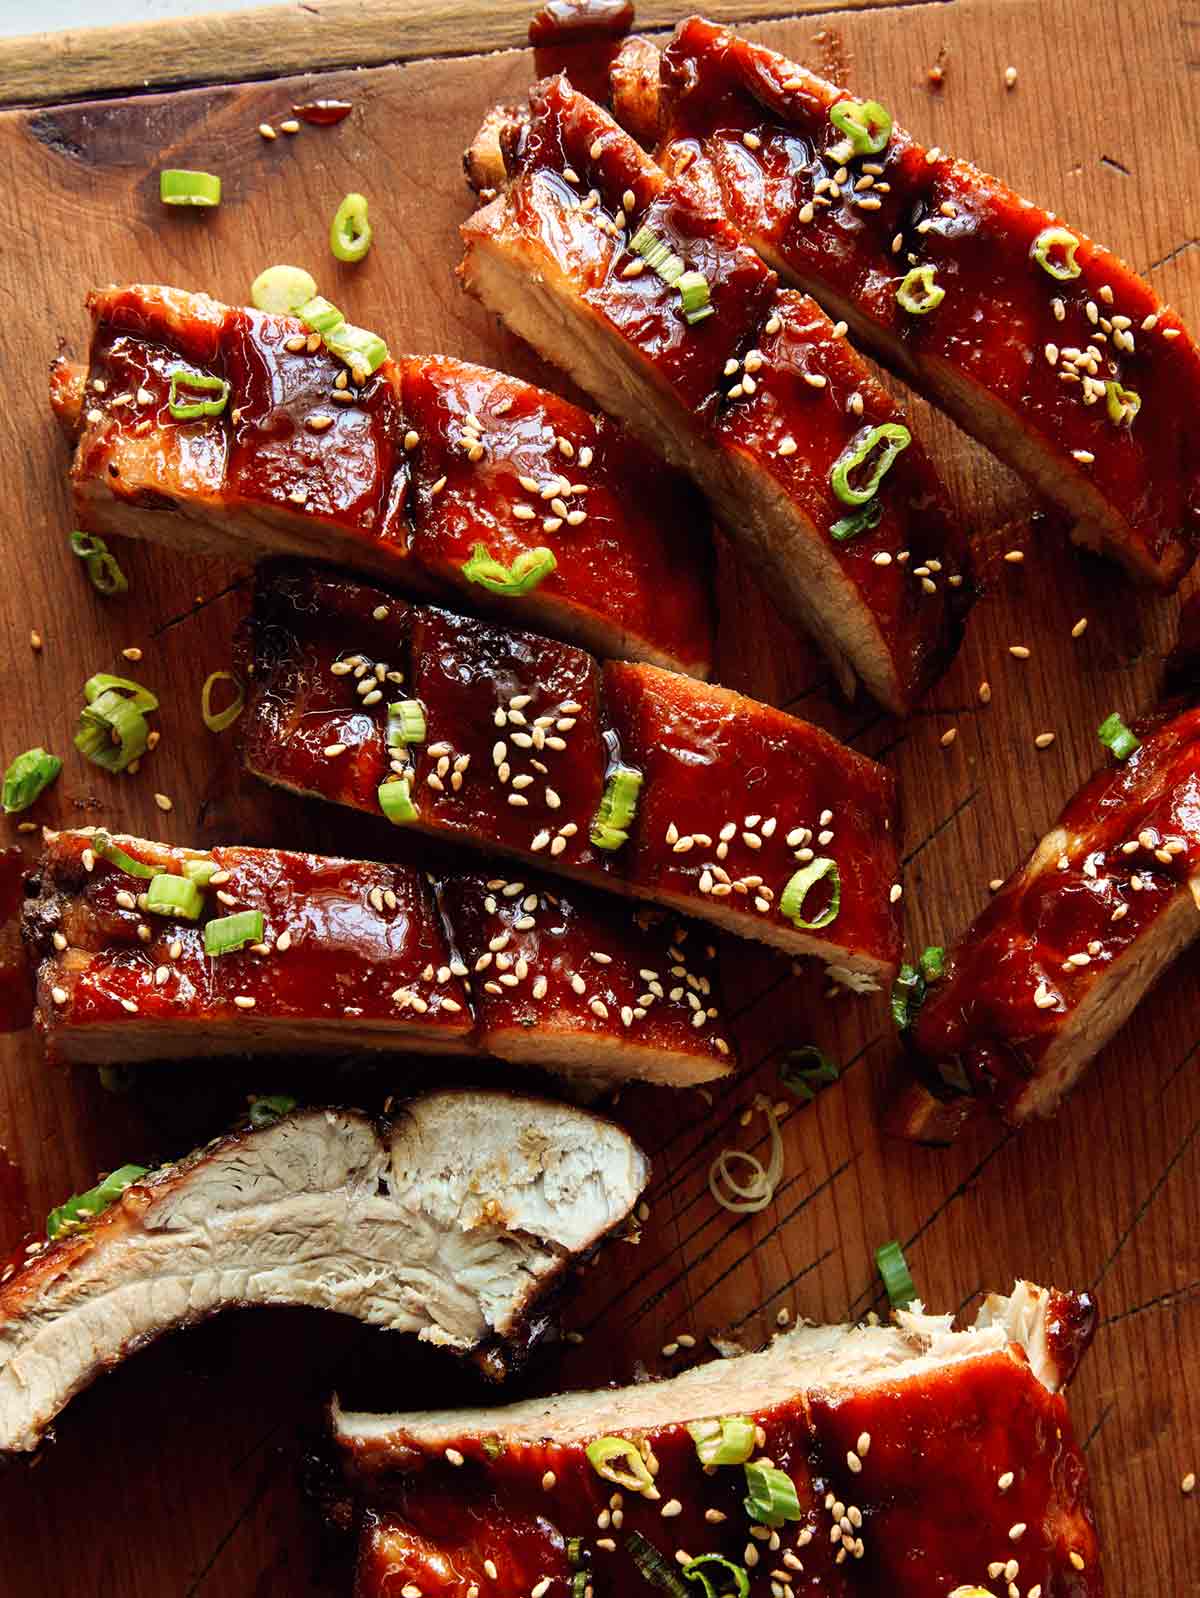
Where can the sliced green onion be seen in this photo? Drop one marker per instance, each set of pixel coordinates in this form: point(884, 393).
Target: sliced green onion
point(364, 352)
point(177, 186)
point(1055, 238)
point(1123, 404)
point(189, 410)
point(894, 439)
point(805, 1071)
point(169, 895)
point(728, 1441)
point(28, 776)
point(920, 292)
point(221, 720)
point(741, 1581)
point(350, 232)
point(100, 683)
point(908, 995)
point(619, 1460)
point(112, 731)
point(654, 251)
point(396, 802)
point(575, 1552)
point(791, 901)
point(1116, 736)
point(269, 1108)
point(200, 871)
point(524, 575)
point(228, 934)
point(104, 573)
point(932, 962)
point(653, 1567)
point(617, 808)
point(84, 1207)
point(103, 845)
point(866, 124)
point(693, 296)
point(772, 1495)
point(406, 723)
point(581, 1584)
point(282, 290)
point(896, 1278)
point(319, 315)
point(859, 521)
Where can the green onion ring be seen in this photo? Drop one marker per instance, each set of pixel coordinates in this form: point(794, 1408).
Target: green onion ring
point(221, 720)
point(350, 231)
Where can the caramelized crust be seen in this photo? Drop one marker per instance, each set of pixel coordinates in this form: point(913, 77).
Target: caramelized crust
point(758, 401)
point(1065, 950)
point(1018, 358)
point(401, 475)
point(357, 954)
point(522, 733)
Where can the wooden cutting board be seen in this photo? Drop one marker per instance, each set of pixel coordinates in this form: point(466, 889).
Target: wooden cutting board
point(183, 1472)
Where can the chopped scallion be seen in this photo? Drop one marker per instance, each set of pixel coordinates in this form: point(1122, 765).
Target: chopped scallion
point(1060, 267)
point(104, 572)
point(617, 808)
point(104, 846)
point(618, 1460)
point(529, 568)
point(177, 186)
point(169, 895)
point(1116, 737)
point(396, 802)
point(908, 995)
point(84, 1207)
point(221, 720)
point(932, 961)
point(896, 1278)
point(866, 124)
point(28, 776)
point(102, 681)
point(653, 1567)
point(892, 436)
point(406, 723)
point(269, 1108)
point(772, 1495)
point(920, 292)
point(805, 1071)
point(791, 901)
point(350, 231)
point(319, 315)
point(282, 290)
point(190, 410)
point(725, 1570)
point(1123, 404)
point(200, 871)
point(228, 934)
point(727, 1441)
point(693, 295)
point(859, 521)
point(112, 731)
point(363, 351)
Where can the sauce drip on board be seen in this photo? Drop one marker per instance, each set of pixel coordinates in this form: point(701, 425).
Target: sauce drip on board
point(323, 113)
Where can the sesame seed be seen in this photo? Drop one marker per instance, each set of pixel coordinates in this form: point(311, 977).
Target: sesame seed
point(1076, 1558)
point(787, 446)
point(1015, 1533)
point(59, 995)
point(453, 1456)
point(948, 737)
point(1019, 651)
point(1005, 1481)
point(290, 126)
point(243, 1002)
point(1079, 628)
point(1043, 740)
point(161, 800)
point(895, 893)
point(266, 131)
point(1188, 1484)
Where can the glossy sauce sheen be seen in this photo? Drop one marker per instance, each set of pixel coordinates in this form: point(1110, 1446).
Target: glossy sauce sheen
point(550, 752)
point(384, 467)
point(926, 1504)
point(581, 38)
point(980, 1020)
point(993, 327)
point(368, 943)
point(323, 113)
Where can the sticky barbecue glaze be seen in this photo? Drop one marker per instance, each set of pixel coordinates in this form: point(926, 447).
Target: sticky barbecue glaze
point(474, 962)
point(752, 131)
point(1079, 920)
point(522, 732)
point(388, 474)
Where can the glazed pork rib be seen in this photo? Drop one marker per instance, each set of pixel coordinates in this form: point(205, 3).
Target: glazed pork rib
point(451, 1221)
point(923, 1460)
point(1037, 340)
point(402, 475)
point(762, 400)
point(355, 954)
point(1062, 954)
point(525, 737)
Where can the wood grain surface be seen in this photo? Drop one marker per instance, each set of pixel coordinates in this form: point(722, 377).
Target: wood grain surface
point(182, 1473)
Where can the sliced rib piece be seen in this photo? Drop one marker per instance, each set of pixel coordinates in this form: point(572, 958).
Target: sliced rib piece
point(923, 1460)
point(758, 401)
point(1062, 954)
point(522, 732)
point(1027, 362)
point(401, 475)
point(356, 954)
point(451, 1221)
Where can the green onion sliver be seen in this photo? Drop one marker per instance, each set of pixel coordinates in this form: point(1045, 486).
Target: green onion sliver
point(1116, 737)
point(1062, 267)
point(406, 723)
point(892, 437)
point(859, 521)
point(200, 871)
point(524, 575)
point(617, 808)
point(896, 1278)
point(619, 1460)
point(28, 776)
point(169, 895)
point(396, 802)
point(282, 290)
point(112, 731)
point(866, 124)
point(791, 901)
point(103, 845)
point(269, 1108)
point(932, 961)
point(908, 995)
point(920, 292)
point(350, 231)
point(363, 352)
point(653, 1567)
point(727, 1441)
point(771, 1495)
point(221, 720)
point(177, 186)
point(806, 1070)
point(104, 572)
point(693, 296)
point(190, 410)
point(84, 1207)
point(319, 315)
point(103, 681)
point(228, 934)
point(726, 1570)
point(1123, 404)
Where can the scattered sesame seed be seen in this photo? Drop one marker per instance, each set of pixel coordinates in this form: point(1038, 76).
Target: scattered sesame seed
point(1188, 1484)
point(895, 892)
point(1010, 77)
point(985, 692)
point(290, 126)
point(1014, 557)
point(1043, 740)
point(1019, 651)
point(948, 737)
point(163, 803)
point(266, 131)
point(35, 640)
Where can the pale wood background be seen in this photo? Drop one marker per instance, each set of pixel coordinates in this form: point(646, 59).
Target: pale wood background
point(180, 1474)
